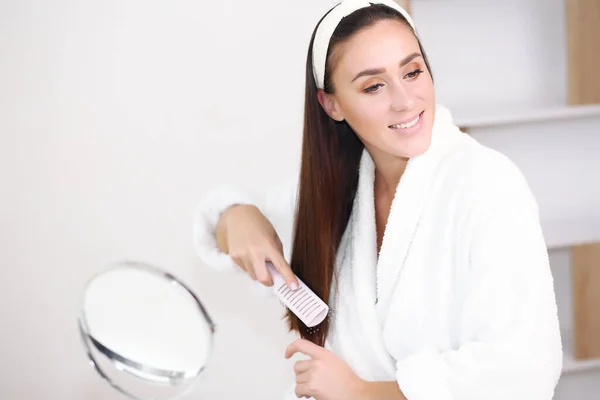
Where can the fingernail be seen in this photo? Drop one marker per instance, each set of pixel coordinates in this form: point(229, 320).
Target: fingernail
point(294, 286)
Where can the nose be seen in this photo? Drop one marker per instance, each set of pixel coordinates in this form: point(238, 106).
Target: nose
point(401, 99)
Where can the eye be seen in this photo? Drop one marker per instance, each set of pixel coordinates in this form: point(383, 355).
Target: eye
point(373, 88)
point(414, 74)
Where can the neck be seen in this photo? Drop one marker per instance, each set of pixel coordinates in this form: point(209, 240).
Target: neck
point(388, 171)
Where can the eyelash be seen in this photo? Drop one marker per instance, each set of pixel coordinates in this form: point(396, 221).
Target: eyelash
point(414, 74)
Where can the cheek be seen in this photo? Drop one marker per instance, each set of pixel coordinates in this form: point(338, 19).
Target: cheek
point(365, 112)
point(425, 90)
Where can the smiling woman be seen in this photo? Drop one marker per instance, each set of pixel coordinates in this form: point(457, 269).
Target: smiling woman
point(426, 244)
point(375, 92)
point(379, 80)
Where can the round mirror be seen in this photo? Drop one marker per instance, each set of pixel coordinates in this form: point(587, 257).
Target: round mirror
point(145, 332)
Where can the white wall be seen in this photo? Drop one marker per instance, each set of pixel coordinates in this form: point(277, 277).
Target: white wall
point(117, 116)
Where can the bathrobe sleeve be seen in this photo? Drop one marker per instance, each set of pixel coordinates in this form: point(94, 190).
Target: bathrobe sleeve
point(278, 205)
point(510, 346)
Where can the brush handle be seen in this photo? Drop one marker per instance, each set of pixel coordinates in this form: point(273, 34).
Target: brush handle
point(303, 302)
point(278, 280)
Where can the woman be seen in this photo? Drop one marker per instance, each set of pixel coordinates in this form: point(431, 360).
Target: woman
point(426, 244)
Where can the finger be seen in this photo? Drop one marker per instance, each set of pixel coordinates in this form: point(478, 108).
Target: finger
point(284, 269)
point(302, 366)
point(261, 271)
point(302, 390)
point(239, 262)
point(302, 378)
point(305, 347)
point(279, 244)
point(249, 268)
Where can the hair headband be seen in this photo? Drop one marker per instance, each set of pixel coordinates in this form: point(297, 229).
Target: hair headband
point(331, 21)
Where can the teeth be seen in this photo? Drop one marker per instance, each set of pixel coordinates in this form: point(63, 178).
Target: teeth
point(406, 125)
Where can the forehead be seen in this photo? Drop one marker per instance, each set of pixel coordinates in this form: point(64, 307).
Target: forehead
point(384, 43)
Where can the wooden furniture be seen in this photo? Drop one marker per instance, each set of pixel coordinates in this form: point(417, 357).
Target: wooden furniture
point(585, 269)
point(583, 51)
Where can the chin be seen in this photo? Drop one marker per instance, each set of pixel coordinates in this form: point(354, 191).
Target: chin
point(413, 147)
point(416, 152)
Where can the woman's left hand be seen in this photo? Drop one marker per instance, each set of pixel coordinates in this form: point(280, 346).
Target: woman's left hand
point(324, 376)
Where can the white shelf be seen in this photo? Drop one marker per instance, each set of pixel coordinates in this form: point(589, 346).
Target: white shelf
point(563, 234)
point(571, 365)
point(520, 116)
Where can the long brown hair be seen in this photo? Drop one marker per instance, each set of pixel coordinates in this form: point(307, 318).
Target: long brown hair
point(328, 178)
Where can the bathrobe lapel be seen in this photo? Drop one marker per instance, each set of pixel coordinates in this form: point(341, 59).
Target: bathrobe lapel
point(363, 259)
point(376, 278)
point(411, 197)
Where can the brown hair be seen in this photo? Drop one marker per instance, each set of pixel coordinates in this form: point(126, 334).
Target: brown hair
point(328, 179)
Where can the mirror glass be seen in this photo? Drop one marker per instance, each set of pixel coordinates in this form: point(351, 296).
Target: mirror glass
point(145, 332)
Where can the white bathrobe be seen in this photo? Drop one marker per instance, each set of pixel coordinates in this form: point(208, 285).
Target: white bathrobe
point(459, 304)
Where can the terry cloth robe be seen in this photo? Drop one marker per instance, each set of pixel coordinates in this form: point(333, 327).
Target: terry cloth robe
point(459, 304)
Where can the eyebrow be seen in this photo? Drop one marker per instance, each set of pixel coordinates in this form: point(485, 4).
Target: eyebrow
point(376, 71)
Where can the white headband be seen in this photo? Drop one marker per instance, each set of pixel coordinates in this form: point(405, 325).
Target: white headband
point(331, 21)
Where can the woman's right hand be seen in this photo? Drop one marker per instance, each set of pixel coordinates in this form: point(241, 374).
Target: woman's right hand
point(250, 239)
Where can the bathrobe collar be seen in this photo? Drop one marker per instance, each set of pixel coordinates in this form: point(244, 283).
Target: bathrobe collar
point(375, 279)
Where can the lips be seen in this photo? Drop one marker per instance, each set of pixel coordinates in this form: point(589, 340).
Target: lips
point(408, 123)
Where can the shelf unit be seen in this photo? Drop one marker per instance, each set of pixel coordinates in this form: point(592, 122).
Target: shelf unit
point(583, 61)
point(581, 235)
point(570, 364)
point(566, 234)
point(471, 120)
point(581, 344)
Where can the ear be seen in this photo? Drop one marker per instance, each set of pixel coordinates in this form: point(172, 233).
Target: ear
point(330, 105)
